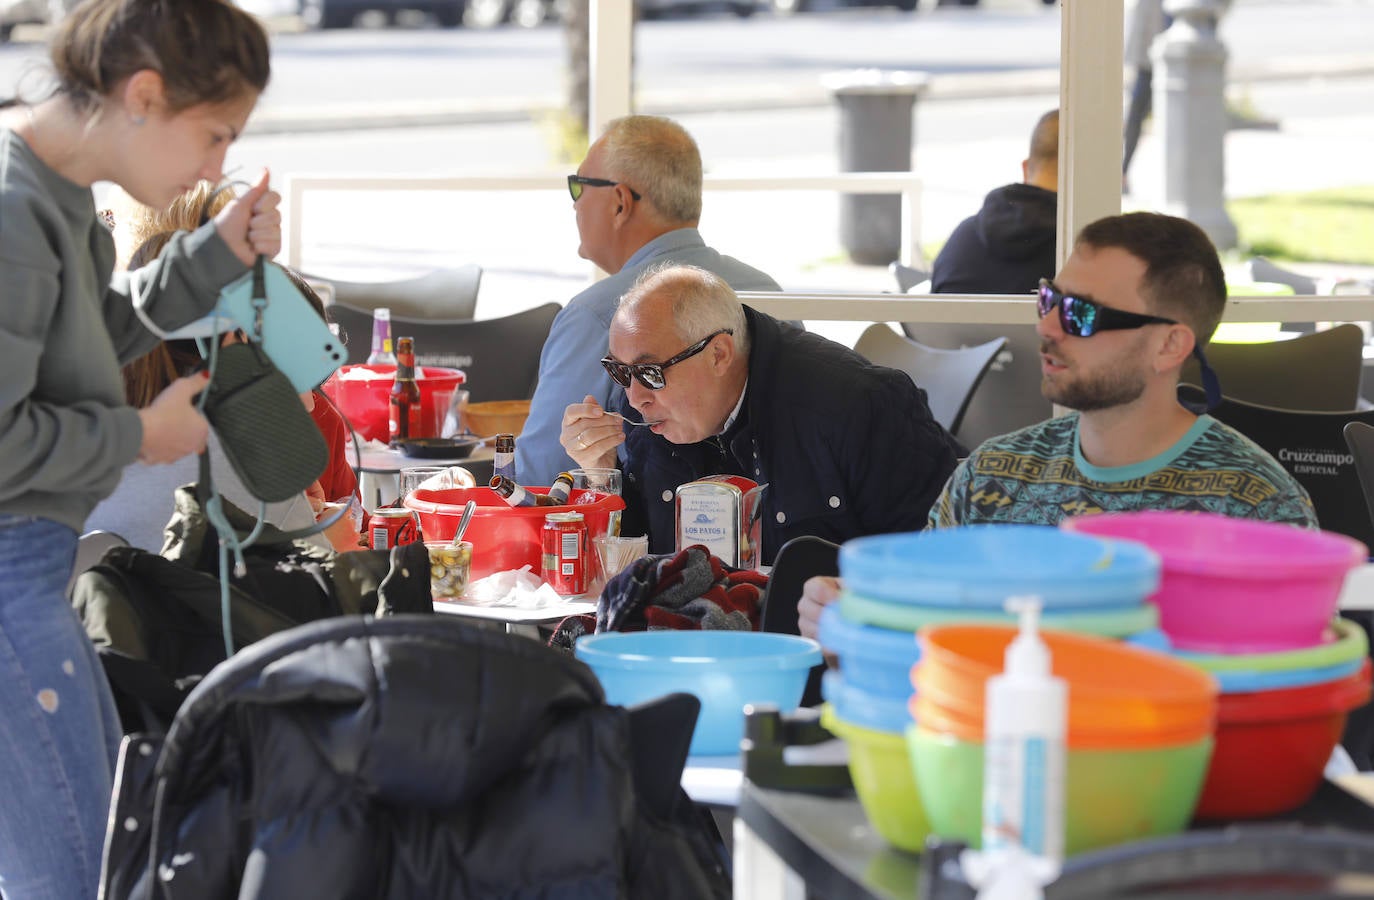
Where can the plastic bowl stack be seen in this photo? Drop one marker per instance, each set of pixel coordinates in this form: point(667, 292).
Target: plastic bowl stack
point(724, 669)
point(897, 584)
point(1253, 604)
point(1139, 734)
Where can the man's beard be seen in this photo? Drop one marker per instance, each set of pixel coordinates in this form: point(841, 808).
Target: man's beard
point(1087, 393)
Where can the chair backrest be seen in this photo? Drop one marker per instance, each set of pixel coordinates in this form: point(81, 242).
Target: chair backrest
point(1009, 397)
point(443, 294)
point(1311, 446)
point(797, 560)
point(949, 377)
point(90, 549)
point(500, 356)
point(1315, 372)
point(1359, 437)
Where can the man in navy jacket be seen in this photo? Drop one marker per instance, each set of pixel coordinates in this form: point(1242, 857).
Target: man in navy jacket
point(846, 448)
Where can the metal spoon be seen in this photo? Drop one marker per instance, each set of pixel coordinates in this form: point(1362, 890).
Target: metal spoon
point(463, 521)
point(631, 421)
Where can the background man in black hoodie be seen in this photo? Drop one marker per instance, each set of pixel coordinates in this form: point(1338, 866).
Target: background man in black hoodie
point(1009, 245)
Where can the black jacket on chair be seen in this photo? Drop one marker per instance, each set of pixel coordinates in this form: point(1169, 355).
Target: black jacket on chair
point(401, 758)
point(847, 448)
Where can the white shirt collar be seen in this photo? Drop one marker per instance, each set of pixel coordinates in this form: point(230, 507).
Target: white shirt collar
point(734, 413)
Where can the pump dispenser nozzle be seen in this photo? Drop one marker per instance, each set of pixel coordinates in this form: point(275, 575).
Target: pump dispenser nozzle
point(1027, 656)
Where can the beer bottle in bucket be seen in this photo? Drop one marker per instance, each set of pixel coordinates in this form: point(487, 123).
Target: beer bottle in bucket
point(404, 421)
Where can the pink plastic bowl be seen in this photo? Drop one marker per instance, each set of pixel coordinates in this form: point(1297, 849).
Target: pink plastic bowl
point(1237, 585)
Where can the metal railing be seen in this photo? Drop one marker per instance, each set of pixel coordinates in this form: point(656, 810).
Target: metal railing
point(905, 184)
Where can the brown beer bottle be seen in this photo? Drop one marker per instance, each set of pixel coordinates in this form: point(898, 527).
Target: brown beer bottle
point(517, 495)
point(404, 421)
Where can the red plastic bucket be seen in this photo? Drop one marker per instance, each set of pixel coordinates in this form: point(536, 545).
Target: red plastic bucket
point(366, 401)
point(503, 537)
point(1272, 746)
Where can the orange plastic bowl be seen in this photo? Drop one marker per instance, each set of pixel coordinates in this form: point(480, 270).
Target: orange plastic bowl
point(503, 537)
point(1119, 695)
point(366, 402)
point(1272, 746)
point(969, 727)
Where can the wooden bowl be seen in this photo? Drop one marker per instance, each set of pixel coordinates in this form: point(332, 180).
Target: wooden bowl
point(496, 417)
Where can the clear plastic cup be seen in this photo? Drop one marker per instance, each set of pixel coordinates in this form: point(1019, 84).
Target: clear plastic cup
point(601, 480)
point(449, 567)
point(615, 553)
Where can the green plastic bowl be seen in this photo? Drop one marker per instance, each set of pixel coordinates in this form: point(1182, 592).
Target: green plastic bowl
point(1348, 643)
point(1116, 622)
point(1111, 796)
point(881, 771)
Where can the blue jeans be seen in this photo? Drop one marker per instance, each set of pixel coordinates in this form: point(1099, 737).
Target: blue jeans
point(59, 729)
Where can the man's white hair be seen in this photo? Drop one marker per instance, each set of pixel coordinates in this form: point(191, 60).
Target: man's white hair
point(701, 302)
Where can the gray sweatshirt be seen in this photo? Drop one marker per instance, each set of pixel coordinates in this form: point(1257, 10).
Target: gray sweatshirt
point(66, 432)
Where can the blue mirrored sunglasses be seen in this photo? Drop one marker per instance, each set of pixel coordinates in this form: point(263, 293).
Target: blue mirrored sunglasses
point(1081, 317)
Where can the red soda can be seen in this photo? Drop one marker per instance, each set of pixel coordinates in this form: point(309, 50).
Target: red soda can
point(390, 527)
point(565, 552)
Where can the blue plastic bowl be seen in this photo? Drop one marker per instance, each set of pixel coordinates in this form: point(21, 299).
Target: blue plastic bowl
point(724, 669)
point(1245, 681)
point(878, 660)
point(980, 566)
point(860, 707)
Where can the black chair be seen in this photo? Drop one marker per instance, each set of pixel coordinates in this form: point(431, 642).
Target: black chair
point(443, 294)
point(500, 356)
point(1009, 397)
point(90, 549)
point(908, 277)
point(1316, 372)
point(1311, 446)
point(196, 807)
point(1359, 437)
point(949, 377)
point(797, 560)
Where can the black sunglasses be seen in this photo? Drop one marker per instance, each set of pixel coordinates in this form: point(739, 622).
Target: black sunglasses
point(651, 374)
point(1081, 317)
point(576, 183)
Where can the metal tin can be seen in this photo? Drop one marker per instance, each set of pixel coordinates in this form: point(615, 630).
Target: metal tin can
point(391, 527)
point(565, 552)
point(721, 512)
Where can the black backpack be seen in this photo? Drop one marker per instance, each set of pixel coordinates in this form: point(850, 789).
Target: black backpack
point(156, 619)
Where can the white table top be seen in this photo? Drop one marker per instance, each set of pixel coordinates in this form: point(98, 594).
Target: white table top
point(1358, 591)
point(515, 614)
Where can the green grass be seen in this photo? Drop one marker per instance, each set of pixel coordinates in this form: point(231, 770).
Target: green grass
point(1319, 226)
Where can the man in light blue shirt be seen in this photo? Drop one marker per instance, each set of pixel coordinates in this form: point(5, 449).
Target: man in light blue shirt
point(637, 198)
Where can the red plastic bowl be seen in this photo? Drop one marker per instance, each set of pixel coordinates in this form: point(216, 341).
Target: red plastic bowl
point(1272, 746)
point(366, 402)
point(503, 537)
point(1237, 585)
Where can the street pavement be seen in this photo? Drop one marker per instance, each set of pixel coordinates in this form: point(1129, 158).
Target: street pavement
point(526, 243)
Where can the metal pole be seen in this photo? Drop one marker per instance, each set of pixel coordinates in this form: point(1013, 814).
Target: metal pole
point(1190, 101)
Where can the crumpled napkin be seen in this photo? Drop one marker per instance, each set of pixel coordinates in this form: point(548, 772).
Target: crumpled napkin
point(519, 588)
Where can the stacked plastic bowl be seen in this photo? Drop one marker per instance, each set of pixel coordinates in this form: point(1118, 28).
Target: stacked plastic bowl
point(898, 584)
point(1139, 736)
point(1253, 604)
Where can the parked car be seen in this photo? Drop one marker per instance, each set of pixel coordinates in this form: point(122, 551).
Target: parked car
point(28, 12)
point(648, 9)
point(525, 13)
point(341, 13)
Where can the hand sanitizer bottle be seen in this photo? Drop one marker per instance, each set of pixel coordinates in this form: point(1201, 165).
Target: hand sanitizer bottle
point(1024, 735)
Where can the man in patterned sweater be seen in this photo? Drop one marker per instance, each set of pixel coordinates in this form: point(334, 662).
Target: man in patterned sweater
point(1140, 293)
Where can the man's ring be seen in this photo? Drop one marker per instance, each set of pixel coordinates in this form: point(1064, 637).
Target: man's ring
point(582, 441)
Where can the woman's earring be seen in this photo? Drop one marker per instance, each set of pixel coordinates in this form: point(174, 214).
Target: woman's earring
point(138, 120)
